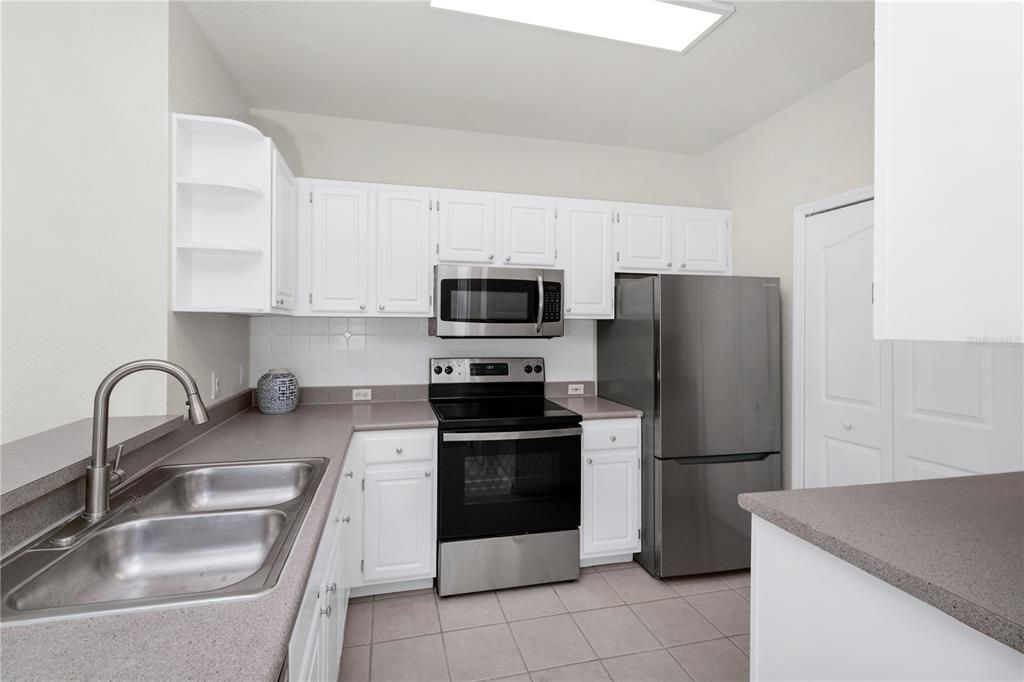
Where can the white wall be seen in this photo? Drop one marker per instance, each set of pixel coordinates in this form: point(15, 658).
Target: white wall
point(820, 146)
point(359, 351)
point(85, 164)
point(371, 151)
point(204, 343)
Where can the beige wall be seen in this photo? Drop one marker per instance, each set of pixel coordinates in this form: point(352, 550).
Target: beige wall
point(85, 160)
point(371, 151)
point(204, 343)
point(818, 147)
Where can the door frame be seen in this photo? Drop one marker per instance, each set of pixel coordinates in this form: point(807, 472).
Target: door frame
point(797, 357)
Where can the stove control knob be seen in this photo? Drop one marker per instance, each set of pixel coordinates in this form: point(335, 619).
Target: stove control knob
point(448, 369)
point(528, 369)
point(538, 369)
point(437, 369)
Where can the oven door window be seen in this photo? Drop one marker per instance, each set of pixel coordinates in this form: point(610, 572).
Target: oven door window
point(506, 487)
point(489, 300)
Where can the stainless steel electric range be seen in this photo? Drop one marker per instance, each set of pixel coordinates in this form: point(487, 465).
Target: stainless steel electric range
point(509, 483)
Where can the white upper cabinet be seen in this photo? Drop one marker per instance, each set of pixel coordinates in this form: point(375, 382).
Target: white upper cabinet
point(644, 235)
point(404, 274)
point(340, 248)
point(467, 227)
point(586, 232)
point(949, 263)
point(285, 257)
point(528, 230)
point(221, 216)
point(702, 240)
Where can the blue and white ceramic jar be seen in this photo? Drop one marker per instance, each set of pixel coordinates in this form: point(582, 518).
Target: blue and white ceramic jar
point(277, 392)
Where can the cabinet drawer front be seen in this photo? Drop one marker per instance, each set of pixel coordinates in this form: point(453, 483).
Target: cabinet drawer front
point(611, 434)
point(401, 446)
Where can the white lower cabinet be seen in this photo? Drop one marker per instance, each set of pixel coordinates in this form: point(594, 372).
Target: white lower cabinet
point(380, 532)
point(610, 514)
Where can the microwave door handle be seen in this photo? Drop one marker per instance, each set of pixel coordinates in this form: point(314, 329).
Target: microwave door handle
point(510, 435)
point(540, 301)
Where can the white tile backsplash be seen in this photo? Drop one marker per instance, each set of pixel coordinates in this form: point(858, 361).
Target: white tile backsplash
point(342, 351)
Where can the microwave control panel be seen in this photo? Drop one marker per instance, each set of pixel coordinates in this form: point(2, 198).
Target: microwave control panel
point(552, 301)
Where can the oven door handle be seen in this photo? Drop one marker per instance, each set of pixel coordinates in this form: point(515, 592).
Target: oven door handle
point(510, 435)
point(540, 302)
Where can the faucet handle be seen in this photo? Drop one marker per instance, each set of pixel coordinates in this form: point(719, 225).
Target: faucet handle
point(117, 473)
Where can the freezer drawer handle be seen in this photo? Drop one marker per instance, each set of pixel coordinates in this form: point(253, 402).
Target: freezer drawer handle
point(511, 435)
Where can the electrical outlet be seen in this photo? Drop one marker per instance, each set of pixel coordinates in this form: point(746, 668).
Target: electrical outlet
point(575, 389)
point(361, 393)
point(214, 386)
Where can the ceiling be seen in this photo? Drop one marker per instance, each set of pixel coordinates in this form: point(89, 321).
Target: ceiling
point(404, 62)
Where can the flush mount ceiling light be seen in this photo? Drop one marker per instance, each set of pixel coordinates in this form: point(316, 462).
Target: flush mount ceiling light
point(666, 25)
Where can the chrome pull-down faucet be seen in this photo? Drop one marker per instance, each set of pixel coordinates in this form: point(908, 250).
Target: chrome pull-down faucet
point(97, 474)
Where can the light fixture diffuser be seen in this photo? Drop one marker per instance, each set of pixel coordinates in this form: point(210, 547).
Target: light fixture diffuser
point(653, 23)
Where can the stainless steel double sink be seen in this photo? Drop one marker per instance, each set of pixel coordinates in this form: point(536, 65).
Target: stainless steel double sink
point(179, 533)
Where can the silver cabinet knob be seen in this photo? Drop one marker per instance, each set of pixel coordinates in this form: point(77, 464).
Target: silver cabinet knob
point(349, 474)
point(347, 519)
point(568, 308)
point(491, 257)
point(380, 307)
point(612, 438)
point(590, 460)
point(327, 611)
point(426, 474)
point(398, 450)
point(847, 425)
point(508, 258)
point(669, 264)
point(362, 306)
point(279, 301)
point(682, 266)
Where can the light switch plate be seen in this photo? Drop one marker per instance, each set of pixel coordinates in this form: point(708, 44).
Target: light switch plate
point(361, 393)
point(575, 389)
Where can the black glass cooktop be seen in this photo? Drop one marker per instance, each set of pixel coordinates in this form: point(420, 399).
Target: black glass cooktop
point(494, 412)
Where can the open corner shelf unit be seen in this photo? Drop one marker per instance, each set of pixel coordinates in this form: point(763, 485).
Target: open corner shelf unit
point(220, 215)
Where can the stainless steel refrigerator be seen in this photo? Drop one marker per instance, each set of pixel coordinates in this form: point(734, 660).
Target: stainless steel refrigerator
point(701, 356)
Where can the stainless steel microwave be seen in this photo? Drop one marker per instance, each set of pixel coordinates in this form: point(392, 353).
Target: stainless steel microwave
point(478, 301)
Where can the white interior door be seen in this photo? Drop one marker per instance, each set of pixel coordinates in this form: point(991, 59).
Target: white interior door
point(957, 409)
point(847, 374)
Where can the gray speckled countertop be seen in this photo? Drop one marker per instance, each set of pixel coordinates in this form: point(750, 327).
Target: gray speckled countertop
point(243, 639)
point(592, 407)
point(954, 543)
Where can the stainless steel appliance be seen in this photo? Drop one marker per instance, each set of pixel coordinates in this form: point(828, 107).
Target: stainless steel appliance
point(509, 476)
point(700, 355)
point(474, 301)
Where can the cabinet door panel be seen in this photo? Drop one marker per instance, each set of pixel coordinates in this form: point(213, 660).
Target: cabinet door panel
point(340, 249)
point(284, 256)
point(528, 231)
point(610, 502)
point(399, 523)
point(403, 252)
point(587, 236)
point(645, 237)
point(702, 243)
point(467, 228)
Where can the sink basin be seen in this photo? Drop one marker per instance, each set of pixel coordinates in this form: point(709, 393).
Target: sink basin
point(240, 486)
point(178, 533)
point(156, 557)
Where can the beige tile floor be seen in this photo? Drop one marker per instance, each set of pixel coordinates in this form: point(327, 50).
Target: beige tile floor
point(615, 623)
